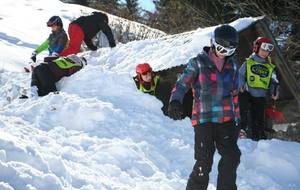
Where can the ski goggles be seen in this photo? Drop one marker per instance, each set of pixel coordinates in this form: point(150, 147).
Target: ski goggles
point(267, 47)
point(225, 51)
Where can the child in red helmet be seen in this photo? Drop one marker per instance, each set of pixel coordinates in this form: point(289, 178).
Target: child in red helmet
point(257, 77)
point(148, 82)
point(145, 80)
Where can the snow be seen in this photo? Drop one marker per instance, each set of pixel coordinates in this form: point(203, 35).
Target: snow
point(99, 132)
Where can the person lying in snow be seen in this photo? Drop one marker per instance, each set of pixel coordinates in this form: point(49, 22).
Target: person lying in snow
point(148, 82)
point(45, 75)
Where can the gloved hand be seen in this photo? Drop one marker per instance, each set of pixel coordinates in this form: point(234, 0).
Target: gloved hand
point(33, 56)
point(112, 45)
point(175, 110)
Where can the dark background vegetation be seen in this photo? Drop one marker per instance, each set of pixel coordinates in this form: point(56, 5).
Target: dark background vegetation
point(176, 16)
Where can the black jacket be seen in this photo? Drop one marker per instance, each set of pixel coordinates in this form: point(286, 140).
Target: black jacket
point(91, 25)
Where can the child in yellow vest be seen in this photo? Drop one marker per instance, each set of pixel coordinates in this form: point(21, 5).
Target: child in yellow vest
point(148, 82)
point(145, 79)
point(257, 77)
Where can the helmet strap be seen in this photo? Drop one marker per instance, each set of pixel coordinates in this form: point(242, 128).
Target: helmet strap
point(269, 59)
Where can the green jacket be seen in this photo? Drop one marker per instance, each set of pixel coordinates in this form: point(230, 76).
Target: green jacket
point(56, 42)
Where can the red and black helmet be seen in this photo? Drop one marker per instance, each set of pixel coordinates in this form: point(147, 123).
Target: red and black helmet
point(263, 43)
point(143, 69)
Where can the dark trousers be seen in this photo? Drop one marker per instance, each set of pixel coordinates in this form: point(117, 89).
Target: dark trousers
point(43, 78)
point(252, 115)
point(208, 137)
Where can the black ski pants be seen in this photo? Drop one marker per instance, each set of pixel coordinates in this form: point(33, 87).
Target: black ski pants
point(252, 115)
point(208, 137)
point(43, 78)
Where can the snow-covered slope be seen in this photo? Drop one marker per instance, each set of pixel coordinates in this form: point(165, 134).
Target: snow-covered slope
point(23, 27)
point(99, 132)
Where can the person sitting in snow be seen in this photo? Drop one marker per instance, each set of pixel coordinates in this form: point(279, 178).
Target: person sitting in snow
point(213, 77)
point(45, 75)
point(84, 29)
point(257, 76)
point(57, 40)
point(148, 82)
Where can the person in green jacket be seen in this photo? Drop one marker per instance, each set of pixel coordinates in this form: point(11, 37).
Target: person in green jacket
point(57, 40)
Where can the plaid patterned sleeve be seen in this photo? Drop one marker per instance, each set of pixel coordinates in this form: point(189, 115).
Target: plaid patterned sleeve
point(236, 109)
point(235, 95)
point(242, 75)
point(185, 80)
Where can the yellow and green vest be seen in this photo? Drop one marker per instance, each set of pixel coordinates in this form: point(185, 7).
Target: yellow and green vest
point(65, 64)
point(258, 74)
point(152, 89)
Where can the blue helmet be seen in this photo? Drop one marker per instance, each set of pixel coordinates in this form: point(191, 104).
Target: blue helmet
point(55, 20)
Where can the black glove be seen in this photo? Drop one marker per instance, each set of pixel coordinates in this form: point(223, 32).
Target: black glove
point(112, 45)
point(90, 45)
point(175, 110)
point(33, 56)
point(93, 47)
